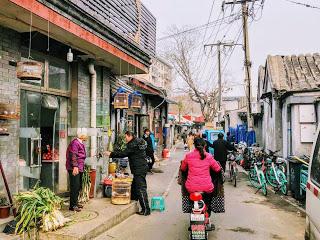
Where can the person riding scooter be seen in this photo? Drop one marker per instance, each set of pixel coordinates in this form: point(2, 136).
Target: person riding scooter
point(198, 164)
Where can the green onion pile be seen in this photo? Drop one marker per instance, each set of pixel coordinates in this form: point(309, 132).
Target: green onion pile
point(85, 188)
point(38, 208)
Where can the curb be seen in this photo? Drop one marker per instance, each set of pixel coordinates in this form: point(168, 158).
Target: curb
point(285, 198)
point(107, 224)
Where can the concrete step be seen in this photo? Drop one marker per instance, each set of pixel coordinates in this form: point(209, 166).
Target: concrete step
point(97, 217)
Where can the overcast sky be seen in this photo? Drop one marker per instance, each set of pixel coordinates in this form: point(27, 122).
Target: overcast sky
point(283, 29)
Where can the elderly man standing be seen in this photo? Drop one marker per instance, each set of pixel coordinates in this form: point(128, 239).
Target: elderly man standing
point(136, 152)
point(76, 155)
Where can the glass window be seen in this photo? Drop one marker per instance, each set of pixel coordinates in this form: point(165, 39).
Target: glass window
point(315, 167)
point(58, 75)
point(213, 136)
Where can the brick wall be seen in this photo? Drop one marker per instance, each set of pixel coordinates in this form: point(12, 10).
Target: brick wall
point(83, 95)
point(9, 93)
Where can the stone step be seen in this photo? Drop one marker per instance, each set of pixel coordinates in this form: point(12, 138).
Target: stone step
point(96, 218)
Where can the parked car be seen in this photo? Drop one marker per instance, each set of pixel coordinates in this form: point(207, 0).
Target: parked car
point(313, 194)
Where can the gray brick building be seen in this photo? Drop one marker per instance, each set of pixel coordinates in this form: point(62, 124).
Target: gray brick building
point(52, 110)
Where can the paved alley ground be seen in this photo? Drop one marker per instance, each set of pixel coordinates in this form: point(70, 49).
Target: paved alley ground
point(248, 215)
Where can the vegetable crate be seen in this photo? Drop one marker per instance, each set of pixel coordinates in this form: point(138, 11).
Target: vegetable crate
point(121, 101)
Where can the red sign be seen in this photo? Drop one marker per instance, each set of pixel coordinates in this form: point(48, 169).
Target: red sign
point(62, 134)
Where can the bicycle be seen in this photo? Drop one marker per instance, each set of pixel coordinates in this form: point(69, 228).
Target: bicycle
point(233, 169)
point(257, 178)
point(275, 174)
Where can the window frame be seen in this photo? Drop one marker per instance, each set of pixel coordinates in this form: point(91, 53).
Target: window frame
point(45, 88)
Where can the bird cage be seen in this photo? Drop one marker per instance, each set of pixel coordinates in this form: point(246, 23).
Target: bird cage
point(121, 101)
point(9, 111)
point(30, 70)
point(136, 101)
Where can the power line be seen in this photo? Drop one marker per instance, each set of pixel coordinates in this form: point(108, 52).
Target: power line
point(303, 4)
point(194, 29)
point(204, 36)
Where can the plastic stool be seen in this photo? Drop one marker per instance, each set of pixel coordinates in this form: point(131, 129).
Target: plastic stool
point(157, 203)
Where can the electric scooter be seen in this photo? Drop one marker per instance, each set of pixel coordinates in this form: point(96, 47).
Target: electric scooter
point(199, 218)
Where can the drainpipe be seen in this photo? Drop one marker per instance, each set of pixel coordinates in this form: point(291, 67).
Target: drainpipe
point(289, 130)
point(93, 113)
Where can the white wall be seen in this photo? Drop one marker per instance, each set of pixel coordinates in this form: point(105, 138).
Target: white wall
point(303, 126)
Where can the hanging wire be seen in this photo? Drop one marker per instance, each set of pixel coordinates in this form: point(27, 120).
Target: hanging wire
point(48, 48)
point(30, 35)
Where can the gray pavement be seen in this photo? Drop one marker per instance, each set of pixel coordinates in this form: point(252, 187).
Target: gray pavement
point(248, 215)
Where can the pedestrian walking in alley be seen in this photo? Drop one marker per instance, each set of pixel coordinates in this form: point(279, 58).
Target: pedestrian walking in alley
point(149, 149)
point(75, 157)
point(190, 140)
point(208, 144)
point(184, 138)
point(221, 148)
point(136, 152)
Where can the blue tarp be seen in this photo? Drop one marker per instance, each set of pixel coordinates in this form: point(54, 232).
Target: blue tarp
point(242, 135)
point(119, 90)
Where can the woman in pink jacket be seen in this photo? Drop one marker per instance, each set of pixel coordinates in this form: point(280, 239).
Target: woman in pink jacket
point(198, 164)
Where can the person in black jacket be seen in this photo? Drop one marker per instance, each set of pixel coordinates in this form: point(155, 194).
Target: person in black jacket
point(149, 149)
point(136, 152)
point(221, 148)
point(208, 144)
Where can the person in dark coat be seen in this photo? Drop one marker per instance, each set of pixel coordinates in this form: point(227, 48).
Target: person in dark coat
point(136, 152)
point(221, 148)
point(208, 144)
point(149, 149)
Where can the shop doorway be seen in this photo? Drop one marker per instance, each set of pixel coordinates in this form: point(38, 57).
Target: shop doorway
point(41, 139)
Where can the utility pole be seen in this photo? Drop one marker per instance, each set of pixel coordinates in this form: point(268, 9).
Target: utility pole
point(218, 45)
point(247, 62)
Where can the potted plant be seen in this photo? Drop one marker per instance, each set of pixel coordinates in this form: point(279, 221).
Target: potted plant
point(4, 207)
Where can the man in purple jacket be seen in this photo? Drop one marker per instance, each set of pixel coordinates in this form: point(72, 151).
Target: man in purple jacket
point(76, 155)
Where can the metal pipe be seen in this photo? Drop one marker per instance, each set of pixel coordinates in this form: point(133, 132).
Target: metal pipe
point(93, 111)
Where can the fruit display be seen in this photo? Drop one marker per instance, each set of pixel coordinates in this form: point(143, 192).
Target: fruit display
point(50, 154)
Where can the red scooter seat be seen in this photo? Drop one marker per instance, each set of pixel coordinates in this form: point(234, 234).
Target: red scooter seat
point(196, 196)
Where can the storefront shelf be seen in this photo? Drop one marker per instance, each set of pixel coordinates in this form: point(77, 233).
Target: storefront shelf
point(9, 117)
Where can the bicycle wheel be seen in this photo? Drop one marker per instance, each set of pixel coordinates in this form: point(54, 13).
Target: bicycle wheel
point(263, 184)
point(230, 171)
point(283, 182)
point(270, 177)
point(252, 177)
point(235, 173)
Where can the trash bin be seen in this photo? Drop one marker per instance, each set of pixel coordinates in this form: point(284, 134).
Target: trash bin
point(294, 177)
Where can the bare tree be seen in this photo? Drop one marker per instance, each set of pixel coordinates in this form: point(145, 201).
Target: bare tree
point(180, 53)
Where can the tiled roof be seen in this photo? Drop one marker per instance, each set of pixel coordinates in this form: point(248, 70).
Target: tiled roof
point(294, 73)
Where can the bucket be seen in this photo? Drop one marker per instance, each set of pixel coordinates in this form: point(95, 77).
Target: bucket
point(165, 153)
point(112, 167)
point(93, 175)
point(4, 212)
